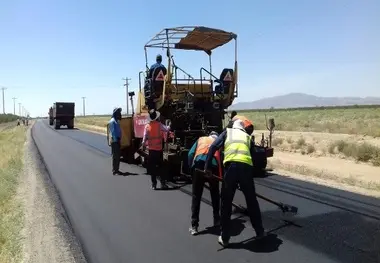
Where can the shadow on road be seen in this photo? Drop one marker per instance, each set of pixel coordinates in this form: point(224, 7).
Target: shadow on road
point(237, 227)
point(269, 244)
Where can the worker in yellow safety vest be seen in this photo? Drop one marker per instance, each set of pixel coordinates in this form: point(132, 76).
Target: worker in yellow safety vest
point(238, 151)
point(196, 159)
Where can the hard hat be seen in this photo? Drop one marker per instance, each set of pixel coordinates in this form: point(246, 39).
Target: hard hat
point(238, 124)
point(116, 110)
point(213, 134)
point(154, 115)
point(158, 57)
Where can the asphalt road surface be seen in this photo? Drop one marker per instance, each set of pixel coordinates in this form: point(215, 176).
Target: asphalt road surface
point(120, 219)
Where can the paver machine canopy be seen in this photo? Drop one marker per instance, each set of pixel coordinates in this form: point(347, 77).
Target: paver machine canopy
point(194, 105)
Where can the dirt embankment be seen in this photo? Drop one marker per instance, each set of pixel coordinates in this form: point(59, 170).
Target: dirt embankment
point(335, 159)
point(48, 237)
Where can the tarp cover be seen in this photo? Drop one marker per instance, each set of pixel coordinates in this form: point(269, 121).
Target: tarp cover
point(204, 38)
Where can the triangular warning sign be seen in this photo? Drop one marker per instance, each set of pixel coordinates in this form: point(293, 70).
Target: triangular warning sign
point(160, 76)
point(228, 77)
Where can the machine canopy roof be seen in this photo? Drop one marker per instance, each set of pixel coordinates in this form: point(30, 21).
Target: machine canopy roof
point(191, 38)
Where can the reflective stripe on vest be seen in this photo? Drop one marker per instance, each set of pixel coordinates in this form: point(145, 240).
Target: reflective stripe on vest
point(154, 136)
point(245, 121)
point(237, 147)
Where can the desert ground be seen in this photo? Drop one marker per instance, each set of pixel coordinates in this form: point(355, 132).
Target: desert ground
point(334, 146)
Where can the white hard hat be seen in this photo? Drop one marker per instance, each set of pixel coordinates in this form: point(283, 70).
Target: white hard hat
point(214, 134)
point(238, 124)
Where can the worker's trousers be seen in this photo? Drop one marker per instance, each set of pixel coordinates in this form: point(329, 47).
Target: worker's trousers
point(198, 185)
point(115, 148)
point(155, 161)
point(239, 173)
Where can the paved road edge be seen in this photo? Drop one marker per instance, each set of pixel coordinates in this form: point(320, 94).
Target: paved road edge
point(48, 232)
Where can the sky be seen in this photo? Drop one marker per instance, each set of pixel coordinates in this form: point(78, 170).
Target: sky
point(64, 50)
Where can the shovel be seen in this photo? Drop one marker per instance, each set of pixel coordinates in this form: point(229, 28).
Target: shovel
point(285, 208)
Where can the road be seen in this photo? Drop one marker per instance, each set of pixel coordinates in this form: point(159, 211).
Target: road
point(120, 219)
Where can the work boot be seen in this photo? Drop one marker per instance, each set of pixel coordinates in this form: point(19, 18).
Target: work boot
point(193, 230)
point(222, 243)
point(154, 186)
point(261, 235)
point(117, 173)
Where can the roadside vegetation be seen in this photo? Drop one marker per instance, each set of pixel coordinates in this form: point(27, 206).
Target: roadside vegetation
point(349, 120)
point(8, 118)
point(100, 121)
point(12, 139)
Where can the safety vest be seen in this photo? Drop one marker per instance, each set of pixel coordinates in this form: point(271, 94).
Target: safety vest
point(203, 146)
point(154, 136)
point(237, 147)
point(245, 121)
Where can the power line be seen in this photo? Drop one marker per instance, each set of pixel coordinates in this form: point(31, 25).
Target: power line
point(84, 106)
point(14, 105)
point(3, 89)
point(126, 90)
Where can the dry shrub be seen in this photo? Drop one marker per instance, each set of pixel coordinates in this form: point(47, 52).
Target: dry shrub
point(310, 149)
point(363, 152)
point(277, 141)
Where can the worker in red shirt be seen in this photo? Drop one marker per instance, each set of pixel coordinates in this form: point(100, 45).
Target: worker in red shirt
point(153, 134)
point(196, 159)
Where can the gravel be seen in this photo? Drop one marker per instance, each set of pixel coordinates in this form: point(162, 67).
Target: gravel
point(47, 235)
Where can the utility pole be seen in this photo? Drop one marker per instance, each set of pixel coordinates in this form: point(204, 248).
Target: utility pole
point(19, 109)
point(84, 106)
point(126, 90)
point(3, 89)
point(14, 106)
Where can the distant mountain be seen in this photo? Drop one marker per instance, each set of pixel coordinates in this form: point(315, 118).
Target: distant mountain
point(299, 100)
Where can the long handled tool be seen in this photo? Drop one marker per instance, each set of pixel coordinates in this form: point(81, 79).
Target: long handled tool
point(285, 208)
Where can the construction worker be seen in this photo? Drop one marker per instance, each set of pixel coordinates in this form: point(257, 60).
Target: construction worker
point(157, 65)
point(196, 158)
point(238, 150)
point(115, 131)
point(248, 125)
point(153, 134)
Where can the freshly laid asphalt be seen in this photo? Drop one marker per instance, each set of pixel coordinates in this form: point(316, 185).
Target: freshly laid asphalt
point(120, 219)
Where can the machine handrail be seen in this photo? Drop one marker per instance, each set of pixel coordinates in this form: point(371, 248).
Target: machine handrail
point(176, 75)
point(211, 75)
point(208, 72)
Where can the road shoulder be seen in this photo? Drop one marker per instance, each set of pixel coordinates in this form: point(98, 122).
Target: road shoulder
point(48, 236)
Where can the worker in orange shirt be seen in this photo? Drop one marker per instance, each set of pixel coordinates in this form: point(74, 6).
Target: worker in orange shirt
point(248, 125)
point(153, 134)
point(196, 159)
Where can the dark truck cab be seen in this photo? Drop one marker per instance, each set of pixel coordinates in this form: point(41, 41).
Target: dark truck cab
point(63, 114)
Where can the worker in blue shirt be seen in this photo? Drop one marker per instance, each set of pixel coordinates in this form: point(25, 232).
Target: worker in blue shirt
point(114, 128)
point(157, 65)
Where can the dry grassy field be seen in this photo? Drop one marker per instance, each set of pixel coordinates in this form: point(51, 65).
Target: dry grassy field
point(341, 142)
point(12, 140)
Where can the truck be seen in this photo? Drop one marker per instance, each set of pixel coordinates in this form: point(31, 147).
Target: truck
point(63, 114)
